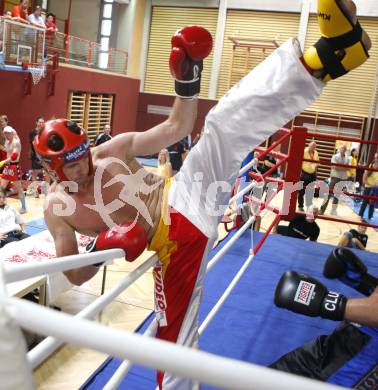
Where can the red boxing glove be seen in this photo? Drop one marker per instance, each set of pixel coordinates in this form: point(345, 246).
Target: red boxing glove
point(14, 156)
point(132, 238)
point(190, 45)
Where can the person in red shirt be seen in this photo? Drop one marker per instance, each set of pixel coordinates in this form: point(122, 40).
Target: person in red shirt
point(50, 22)
point(20, 12)
point(51, 29)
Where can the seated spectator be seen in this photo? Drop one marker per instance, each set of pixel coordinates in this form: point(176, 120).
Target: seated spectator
point(370, 182)
point(354, 238)
point(104, 136)
point(267, 163)
point(302, 226)
point(164, 168)
point(20, 12)
point(12, 225)
point(35, 18)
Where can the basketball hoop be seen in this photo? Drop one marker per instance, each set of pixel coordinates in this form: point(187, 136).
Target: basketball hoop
point(37, 71)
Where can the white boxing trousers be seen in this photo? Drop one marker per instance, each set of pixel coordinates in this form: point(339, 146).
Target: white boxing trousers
point(266, 99)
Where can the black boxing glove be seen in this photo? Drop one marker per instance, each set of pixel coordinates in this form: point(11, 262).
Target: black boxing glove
point(303, 294)
point(345, 265)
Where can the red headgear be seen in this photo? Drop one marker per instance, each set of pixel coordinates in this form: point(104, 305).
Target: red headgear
point(61, 142)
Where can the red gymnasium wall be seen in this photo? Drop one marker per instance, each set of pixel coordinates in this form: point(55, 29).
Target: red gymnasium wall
point(22, 110)
point(146, 120)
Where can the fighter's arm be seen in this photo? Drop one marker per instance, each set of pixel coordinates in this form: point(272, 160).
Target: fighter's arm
point(12, 155)
point(303, 294)
point(358, 243)
point(66, 245)
point(363, 310)
point(190, 46)
point(178, 125)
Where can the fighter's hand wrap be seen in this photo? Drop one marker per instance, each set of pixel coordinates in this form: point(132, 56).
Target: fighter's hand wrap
point(345, 265)
point(190, 46)
point(132, 238)
point(303, 294)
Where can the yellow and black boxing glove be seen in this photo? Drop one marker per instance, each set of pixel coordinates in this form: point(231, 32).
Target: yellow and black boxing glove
point(341, 47)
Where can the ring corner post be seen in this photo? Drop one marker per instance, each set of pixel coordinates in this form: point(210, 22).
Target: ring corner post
point(293, 170)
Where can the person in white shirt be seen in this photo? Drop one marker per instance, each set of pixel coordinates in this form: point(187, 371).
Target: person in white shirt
point(36, 19)
point(12, 225)
point(338, 174)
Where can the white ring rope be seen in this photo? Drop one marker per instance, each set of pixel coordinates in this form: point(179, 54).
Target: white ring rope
point(153, 353)
point(246, 167)
point(225, 295)
point(229, 244)
point(16, 272)
point(243, 192)
point(123, 369)
point(45, 348)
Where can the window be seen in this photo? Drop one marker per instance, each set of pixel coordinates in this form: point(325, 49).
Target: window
point(105, 32)
point(92, 111)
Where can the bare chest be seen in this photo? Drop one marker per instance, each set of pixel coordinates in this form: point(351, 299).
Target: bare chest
point(115, 196)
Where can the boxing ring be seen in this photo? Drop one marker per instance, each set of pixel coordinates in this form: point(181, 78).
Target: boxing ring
point(206, 367)
point(373, 198)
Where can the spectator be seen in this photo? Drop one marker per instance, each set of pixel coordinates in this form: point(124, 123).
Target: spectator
point(35, 18)
point(7, 15)
point(197, 138)
point(35, 163)
point(3, 122)
point(308, 175)
point(176, 152)
point(353, 162)
point(12, 225)
point(164, 168)
point(338, 174)
point(354, 238)
point(12, 172)
point(50, 23)
point(51, 29)
point(20, 12)
point(302, 226)
point(104, 136)
point(267, 163)
point(370, 182)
